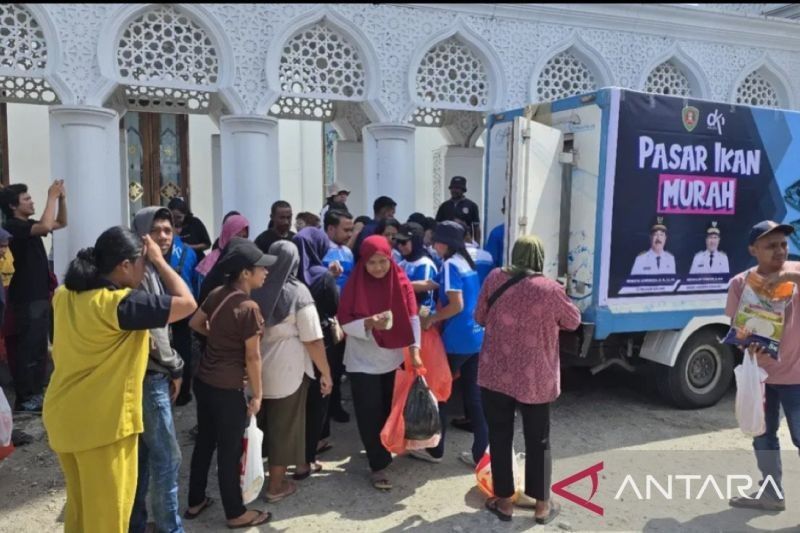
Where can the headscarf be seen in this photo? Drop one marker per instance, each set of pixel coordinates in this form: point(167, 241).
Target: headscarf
point(312, 245)
point(417, 242)
point(282, 294)
point(364, 296)
point(527, 256)
point(232, 225)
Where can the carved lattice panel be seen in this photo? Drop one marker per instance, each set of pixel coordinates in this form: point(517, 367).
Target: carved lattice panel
point(757, 90)
point(451, 73)
point(668, 78)
point(563, 76)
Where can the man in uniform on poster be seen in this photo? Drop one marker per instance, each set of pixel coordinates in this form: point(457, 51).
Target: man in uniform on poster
point(656, 260)
point(711, 260)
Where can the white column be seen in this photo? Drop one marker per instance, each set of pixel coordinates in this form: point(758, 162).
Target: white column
point(467, 162)
point(85, 153)
point(250, 167)
point(389, 165)
point(216, 183)
point(350, 173)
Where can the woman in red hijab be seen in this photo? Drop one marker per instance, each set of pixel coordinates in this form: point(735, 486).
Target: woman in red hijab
point(378, 311)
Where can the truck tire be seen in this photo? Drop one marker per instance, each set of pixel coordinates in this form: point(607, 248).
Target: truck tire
point(702, 372)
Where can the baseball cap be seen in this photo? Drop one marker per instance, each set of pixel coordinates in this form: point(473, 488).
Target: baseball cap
point(407, 232)
point(765, 227)
point(381, 202)
point(336, 187)
point(245, 254)
point(459, 182)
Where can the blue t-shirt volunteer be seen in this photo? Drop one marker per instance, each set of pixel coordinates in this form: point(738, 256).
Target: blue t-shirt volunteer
point(461, 334)
point(344, 255)
point(420, 270)
point(484, 262)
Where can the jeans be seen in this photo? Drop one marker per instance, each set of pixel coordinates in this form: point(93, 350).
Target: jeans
point(499, 410)
point(372, 401)
point(30, 348)
point(221, 421)
point(468, 366)
point(159, 460)
point(767, 446)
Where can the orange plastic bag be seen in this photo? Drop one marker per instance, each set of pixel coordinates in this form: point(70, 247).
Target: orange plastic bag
point(434, 360)
point(394, 430)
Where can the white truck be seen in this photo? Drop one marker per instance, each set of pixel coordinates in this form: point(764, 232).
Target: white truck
point(644, 203)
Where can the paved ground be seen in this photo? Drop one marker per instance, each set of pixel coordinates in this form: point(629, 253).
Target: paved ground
point(612, 417)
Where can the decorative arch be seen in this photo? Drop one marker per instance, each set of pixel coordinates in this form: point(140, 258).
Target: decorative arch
point(210, 30)
point(457, 34)
point(326, 20)
point(576, 47)
point(766, 69)
point(30, 72)
point(688, 67)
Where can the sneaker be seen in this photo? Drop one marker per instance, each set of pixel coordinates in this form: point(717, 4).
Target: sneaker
point(33, 404)
point(424, 456)
point(764, 503)
point(466, 458)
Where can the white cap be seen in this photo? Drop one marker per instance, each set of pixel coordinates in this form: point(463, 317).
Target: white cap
point(335, 188)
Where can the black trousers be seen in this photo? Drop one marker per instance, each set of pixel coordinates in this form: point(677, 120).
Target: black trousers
point(335, 355)
point(29, 348)
point(499, 411)
point(372, 400)
point(221, 421)
point(316, 414)
point(182, 343)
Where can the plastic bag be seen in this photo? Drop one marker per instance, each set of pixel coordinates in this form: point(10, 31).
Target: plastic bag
point(750, 380)
point(252, 469)
point(421, 412)
point(394, 430)
point(434, 360)
point(6, 427)
point(483, 474)
point(760, 316)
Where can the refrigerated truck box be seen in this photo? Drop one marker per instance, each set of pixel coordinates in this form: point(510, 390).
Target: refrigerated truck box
point(644, 203)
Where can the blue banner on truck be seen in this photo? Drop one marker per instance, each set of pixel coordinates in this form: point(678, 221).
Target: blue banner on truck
point(691, 178)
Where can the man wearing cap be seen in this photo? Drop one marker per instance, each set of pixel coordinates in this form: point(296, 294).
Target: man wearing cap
point(337, 193)
point(769, 246)
point(656, 260)
point(712, 260)
point(459, 206)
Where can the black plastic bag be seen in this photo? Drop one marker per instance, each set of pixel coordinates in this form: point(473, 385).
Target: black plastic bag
point(421, 413)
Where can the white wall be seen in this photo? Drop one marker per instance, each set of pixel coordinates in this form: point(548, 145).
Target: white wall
point(201, 128)
point(300, 146)
point(427, 141)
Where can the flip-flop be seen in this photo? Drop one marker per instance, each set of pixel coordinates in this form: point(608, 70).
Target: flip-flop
point(261, 518)
point(555, 508)
point(275, 498)
point(381, 482)
point(491, 505)
point(315, 467)
point(206, 504)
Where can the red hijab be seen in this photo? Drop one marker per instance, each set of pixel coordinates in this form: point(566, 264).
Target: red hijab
point(365, 295)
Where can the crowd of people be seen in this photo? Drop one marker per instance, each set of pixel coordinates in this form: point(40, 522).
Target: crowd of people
point(157, 315)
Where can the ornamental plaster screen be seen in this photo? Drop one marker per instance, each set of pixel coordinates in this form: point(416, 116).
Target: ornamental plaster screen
point(426, 116)
point(667, 78)
point(26, 90)
point(451, 74)
point(163, 44)
point(319, 61)
point(158, 99)
point(756, 90)
point(293, 107)
point(563, 76)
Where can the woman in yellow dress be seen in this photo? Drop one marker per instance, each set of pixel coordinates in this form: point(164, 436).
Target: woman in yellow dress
point(93, 405)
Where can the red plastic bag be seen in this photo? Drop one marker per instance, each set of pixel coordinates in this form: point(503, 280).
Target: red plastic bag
point(434, 360)
point(394, 430)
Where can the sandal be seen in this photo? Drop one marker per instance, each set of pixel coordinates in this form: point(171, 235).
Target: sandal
point(555, 508)
point(491, 504)
point(275, 498)
point(300, 476)
point(381, 481)
point(261, 518)
point(188, 515)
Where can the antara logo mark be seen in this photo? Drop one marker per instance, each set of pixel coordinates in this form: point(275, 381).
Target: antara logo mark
point(591, 472)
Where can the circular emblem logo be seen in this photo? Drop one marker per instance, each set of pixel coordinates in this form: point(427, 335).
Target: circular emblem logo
point(465, 210)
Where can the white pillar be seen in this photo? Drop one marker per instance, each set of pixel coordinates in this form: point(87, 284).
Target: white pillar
point(216, 184)
point(350, 173)
point(250, 167)
point(85, 153)
point(467, 162)
point(389, 165)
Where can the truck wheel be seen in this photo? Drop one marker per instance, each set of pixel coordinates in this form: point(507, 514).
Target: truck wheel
point(701, 375)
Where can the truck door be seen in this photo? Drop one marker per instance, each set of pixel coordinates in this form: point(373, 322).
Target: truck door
point(533, 194)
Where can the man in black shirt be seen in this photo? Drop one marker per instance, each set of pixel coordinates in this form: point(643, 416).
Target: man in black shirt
point(190, 229)
point(280, 226)
point(461, 207)
point(29, 291)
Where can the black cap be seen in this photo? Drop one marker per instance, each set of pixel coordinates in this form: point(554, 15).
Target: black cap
point(459, 182)
point(407, 232)
point(449, 233)
point(381, 202)
point(243, 253)
point(765, 227)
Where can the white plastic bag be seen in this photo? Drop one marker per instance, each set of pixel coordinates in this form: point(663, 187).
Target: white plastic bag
point(750, 380)
point(252, 469)
point(6, 424)
point(483, 474)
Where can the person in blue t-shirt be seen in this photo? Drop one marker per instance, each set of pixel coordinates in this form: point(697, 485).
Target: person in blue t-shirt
point(484, 262)
point(338, 226)
point(458, 287)
point(416, 262)
point(495, 242)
